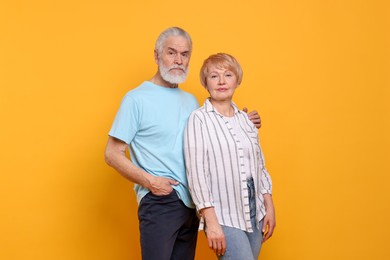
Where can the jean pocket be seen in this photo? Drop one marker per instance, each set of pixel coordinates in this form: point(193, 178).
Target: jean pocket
point(152, 196)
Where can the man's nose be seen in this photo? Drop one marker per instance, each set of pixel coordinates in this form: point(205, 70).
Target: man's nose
point(178, 59)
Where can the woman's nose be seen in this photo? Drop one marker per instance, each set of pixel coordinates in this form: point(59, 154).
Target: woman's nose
point(221, 80)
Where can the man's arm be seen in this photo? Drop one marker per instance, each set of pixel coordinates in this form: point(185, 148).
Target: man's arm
point(254, 117)
point(115, 156)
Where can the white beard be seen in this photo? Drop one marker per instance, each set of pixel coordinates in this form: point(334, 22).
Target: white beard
point(173, 79)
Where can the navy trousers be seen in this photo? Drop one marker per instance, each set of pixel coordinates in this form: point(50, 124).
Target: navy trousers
point(168, 228)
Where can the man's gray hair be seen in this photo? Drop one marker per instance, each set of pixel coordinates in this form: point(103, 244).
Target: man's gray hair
point(172, 31)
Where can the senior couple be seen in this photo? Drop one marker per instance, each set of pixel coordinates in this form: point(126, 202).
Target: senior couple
point(193, 167)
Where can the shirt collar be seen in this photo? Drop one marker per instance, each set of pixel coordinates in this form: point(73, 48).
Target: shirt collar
point(210, 108)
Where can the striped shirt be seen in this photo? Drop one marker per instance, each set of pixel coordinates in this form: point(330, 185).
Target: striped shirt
point(216, 166)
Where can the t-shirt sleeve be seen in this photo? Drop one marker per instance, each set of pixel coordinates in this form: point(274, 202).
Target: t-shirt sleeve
point(126, 121)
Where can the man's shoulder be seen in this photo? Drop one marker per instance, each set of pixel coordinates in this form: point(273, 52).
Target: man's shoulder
point(189, 99)
point(186, 93)
point(138, 94)
point(137, 90)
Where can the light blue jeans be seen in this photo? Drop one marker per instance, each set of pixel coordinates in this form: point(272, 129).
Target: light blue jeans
point(242, 245)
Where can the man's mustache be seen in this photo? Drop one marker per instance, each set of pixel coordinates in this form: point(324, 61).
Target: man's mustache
point(178, 67)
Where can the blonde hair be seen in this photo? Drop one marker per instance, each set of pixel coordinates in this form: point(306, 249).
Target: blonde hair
point(223, 61)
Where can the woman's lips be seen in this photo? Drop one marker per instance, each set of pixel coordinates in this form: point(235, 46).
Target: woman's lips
point(222, 89)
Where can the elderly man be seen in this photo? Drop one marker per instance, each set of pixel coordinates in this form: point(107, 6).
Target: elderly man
point(151, 122)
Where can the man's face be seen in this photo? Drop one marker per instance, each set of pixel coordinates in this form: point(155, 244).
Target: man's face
point(174, 59)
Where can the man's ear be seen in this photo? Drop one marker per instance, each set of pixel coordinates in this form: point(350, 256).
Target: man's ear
point(156, 56)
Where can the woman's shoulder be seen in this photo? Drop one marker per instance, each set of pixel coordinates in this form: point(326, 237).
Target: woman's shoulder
point(198, 113)
point(244, 118)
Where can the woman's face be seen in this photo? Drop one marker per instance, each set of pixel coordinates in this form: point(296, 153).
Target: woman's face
point(221, 83)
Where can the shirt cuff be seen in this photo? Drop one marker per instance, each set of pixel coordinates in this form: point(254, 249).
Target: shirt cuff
point(204, 205)
point(264, 191)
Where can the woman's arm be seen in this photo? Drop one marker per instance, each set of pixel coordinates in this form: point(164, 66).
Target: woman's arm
point(196, 160)
point(195, 152)
point(214, 232)
point(269, 221)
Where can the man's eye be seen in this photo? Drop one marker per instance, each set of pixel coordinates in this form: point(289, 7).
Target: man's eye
point(229, 75)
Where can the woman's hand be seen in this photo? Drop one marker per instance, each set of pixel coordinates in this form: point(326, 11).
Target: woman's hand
point(269, 221)
point(216, 238)
point(214, 232)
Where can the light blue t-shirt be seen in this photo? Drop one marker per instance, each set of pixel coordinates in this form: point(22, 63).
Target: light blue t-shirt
point(151, 120)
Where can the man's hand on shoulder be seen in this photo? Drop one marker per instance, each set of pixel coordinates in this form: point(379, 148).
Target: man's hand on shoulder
point(254, 117)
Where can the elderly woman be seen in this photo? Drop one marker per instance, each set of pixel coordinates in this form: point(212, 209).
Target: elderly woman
point(228, 181)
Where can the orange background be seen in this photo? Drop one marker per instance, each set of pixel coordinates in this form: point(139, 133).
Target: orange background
point(317, 72)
